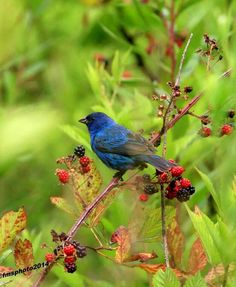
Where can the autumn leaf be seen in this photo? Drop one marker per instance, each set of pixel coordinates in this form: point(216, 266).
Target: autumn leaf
point(23, 254)
point(62, 204)
point(101, 208)
point(10, 225)
point(4, 269)
point(85, 186)
point(175, 241)
point(142, 257)
point(197, 259)
point(154, 268)
point(124, 244)
point(217, 273)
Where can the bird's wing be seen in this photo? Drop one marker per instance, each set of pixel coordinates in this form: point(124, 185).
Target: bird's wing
point(119, 140)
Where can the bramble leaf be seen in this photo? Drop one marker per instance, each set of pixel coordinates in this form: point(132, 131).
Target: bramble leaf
point(10, 225)
point(62, 204)
point(165, 278)
point(175, 241)
point(123, 240)
point(197, 258)
point(194, 281)
point(23, 254)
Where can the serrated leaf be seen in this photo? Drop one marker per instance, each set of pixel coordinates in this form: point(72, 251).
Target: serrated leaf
point(4, 269)
point(142, 257)
point(62, 204)
point(124, 244)
point(217, 273)
point(151, 268)
point(197, 258)
point(165, 278)
point(194, 281)
point(23, 254)
point(101, 208)
point(10, 225)
point(210, 187)
point(86, 186)
point(207, 232)
point(146, 223)
point(175, 241)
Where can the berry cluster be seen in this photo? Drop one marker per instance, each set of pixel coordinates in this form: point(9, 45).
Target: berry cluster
point(175, 185)
point(225, 129)
point(79, 151)
point(70, 251)
point(179, 187)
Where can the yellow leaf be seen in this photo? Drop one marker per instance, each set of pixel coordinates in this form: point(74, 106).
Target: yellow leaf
point(23, 254)
point(10, 225)
point(62, 204)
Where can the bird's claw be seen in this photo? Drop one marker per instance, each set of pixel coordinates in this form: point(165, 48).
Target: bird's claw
point(119, 174)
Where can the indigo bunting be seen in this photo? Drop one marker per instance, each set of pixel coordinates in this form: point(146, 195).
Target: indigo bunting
point(120, 148)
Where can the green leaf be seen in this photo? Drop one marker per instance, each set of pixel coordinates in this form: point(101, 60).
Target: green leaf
point(207, 232)
point(210, 187)
point(194, 281)
point(165, 278)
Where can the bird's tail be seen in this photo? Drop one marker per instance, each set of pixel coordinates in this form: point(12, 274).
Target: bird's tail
point(158, 162)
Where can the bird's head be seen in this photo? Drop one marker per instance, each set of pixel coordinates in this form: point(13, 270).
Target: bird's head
point(97, 121)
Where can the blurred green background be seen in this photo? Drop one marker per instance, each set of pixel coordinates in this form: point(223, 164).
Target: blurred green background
point(49, 80)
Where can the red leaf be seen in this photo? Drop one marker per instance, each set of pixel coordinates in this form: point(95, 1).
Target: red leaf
point(124, 244)
point(153, 268)
point(197, 259)
point(23, 254)
point(175, 241)
point(4, 269)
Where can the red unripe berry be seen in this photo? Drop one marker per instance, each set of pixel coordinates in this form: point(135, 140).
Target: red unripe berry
point(205, 132)
point(226, 129)
point(176, 170)
point(170, 195)
point(143, 197)
point(185, 182)
point(50, 257)
point(84, 160)
point(86, 169)
point(172, 160)
point(127, 74)
point(69, 250)
point(63, 175)
point(99, 57)
point(70, 259)
point(164, 177)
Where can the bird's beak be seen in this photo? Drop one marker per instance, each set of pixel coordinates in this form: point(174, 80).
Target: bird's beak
point(83, 121)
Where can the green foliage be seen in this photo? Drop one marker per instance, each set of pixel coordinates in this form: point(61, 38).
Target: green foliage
point(167, 278)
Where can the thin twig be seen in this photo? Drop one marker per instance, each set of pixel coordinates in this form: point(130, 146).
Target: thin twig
point(163, 225)
point(182, 60)
point(225, 276)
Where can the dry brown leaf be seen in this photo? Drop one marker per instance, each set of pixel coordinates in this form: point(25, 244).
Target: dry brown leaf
point(197, 258)
point(142, 257)
point(23, 254)
point(175, 241)
point(4, 269)
point(11, 224)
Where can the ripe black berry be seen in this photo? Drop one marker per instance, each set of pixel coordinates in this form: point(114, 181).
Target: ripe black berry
point(70, 267)
point(183, 195)
point(231, 114)
point(79, 151)
point(81, 251)
point(150, 189)
point(191, 190)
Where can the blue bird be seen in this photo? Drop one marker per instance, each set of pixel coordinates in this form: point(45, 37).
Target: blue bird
point(120, 148)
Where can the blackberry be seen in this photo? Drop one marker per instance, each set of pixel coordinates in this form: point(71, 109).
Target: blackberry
point(191, 190)
point(146, 177)
point(183, 195)
point(75, 243)
point(150, 189)
point(81, 251)
point(79, 151)
point(231, 114)
point(70, 267)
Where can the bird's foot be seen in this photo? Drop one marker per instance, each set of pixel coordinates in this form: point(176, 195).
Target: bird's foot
point(143, 166)
point(119, 174)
